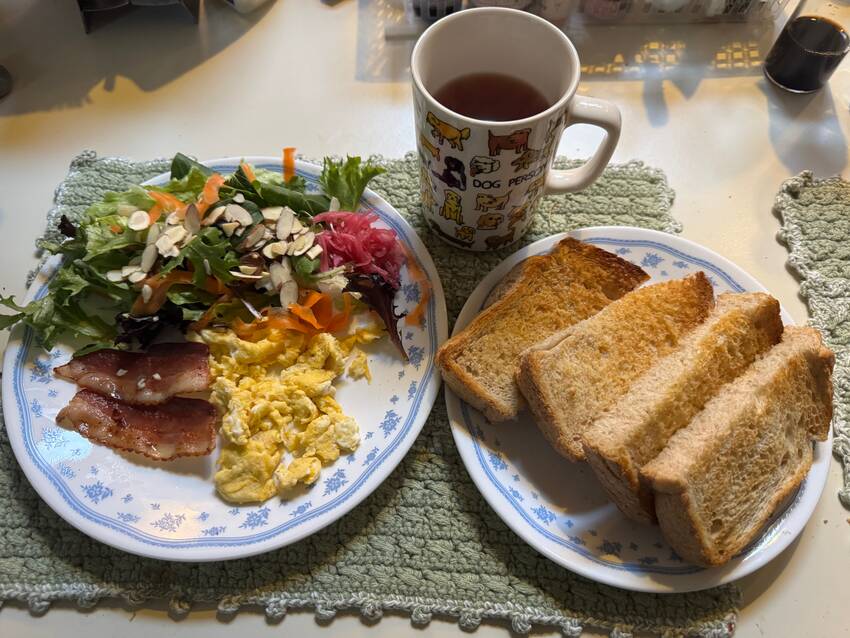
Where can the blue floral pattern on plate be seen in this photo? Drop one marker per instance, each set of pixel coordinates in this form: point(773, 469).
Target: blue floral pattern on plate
point(132, 502)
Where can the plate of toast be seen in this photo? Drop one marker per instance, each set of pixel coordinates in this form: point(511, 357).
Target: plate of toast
point(639, 409)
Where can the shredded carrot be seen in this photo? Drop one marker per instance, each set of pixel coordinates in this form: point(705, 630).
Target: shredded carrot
point(249, 172)
point(210, 193)
point(288, 163)
point(116, 229)
point(315, 313)
point(250, 331)
point(167, 201)
point(317, 310)
point(416, 316)
point(155, 213)
point(160, 285)
point(340, 320)
point(205, 318)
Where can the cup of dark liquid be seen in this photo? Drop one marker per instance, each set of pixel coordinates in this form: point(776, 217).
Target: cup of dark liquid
point(493, 90)
point(809, 48)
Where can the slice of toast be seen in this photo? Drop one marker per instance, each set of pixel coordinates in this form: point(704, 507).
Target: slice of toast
point(550, 292)
point(666, 397)
point(576, 375)
point(720, 478)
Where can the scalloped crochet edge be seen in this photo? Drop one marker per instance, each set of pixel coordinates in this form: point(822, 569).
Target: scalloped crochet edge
point(420, 611)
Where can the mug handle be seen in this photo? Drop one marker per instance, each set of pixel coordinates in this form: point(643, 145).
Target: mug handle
point(587, 110)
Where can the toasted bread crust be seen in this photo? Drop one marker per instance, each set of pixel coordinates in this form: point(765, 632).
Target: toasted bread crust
point(597, 277)
point(712, 494)
point(570, 384)
point(668, 395)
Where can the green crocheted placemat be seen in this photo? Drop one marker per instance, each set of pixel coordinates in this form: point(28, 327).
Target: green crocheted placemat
point(815, 218)
point(466, 564)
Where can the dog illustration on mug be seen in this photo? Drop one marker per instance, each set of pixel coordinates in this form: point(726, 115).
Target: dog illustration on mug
point(489, 221)
point(465, 234)
point(426, 189)
point(524, 161)
point(481, 164)
point(433, 151)
point(445, 132)
point(518, 214)
point(464, 237)
point(497, 241)
point(516, 141)
point(453, 175)
point(451, 208)
point(487, 202)
point(535, 187)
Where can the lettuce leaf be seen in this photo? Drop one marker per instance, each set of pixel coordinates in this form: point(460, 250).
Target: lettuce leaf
point(49, 320)
point(347, 180)
point(135, 196)
point(100, 237)
point(187, 188)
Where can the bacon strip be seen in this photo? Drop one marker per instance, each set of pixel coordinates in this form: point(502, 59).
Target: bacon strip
point(179, 427)
point(145, 378)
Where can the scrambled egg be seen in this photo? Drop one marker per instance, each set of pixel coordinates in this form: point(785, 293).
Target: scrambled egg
point(280, 422)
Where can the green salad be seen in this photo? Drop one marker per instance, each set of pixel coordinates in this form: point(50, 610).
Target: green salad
point(206, 249)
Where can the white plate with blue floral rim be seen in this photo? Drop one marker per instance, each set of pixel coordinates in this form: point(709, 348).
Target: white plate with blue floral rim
point(557, 506)
point(170, 510)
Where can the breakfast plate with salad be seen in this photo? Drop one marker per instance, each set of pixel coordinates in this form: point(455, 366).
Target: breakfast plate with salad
point(224, 359)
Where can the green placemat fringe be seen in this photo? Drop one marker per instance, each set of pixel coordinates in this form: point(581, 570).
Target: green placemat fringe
point(815, 218)
point(425, 543)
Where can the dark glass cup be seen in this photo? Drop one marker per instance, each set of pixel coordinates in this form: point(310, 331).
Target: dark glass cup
point(812, 44)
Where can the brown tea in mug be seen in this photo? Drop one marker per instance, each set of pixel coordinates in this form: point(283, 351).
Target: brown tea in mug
point(491, 96)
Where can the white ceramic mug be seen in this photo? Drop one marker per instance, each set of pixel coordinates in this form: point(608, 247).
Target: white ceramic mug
point(481, 180)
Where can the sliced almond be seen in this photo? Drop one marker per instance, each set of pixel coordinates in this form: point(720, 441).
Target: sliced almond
point(136, 277)
point(114, 275)
point(280, 272)
point(239, 214)
point(248, 270)
point(272, 213)
point(175, 233)
point(314, 252)
point(297, 226)
point(173, 219)
point(284, 223)
point(148, 258)
point(165, 246)
point(139, 220)
point(334, 205)
point(288, 293)
point(207, 268)
point(153, 234)
point(239, 231)
point(192, 222)
point(229, 227)
point(126, 271)
point(303, 243)
point(213, 216)
point(255, 235)
point(147, 291)
point(240, 275)
point(239, 198)
point(275, 249)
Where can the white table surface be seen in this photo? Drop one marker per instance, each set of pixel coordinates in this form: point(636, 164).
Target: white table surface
point(150, 84)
